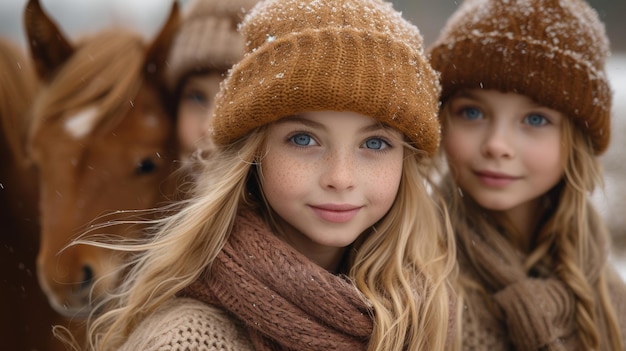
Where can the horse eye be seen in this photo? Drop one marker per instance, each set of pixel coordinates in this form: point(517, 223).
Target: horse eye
point(145, 166)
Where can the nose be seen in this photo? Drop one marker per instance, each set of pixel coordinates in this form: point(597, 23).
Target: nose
point(88, 278)
point(498, 142)
point(339, 171)
point(69, 292)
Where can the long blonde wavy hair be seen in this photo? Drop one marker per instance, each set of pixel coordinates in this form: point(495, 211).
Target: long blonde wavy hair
point(403, 265)
point(571, 240)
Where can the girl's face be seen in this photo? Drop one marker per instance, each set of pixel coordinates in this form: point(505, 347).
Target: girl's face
point(330, 176)
point(196, 105)
point(504, 150)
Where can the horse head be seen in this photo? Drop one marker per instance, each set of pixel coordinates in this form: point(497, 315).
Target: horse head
point(103, 142)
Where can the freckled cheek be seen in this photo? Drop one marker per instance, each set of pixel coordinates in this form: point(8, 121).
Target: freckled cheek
point(284, 175)
point(382, 182)
point(455, 148)
point(545, 158)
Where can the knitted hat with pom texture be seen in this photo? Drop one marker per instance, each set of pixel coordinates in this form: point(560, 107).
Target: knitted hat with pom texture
point(553, 51)
point(207, 38)
point(336, 55)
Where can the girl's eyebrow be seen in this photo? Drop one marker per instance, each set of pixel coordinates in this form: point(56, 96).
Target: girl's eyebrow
point(313, 124)
point(299, 119)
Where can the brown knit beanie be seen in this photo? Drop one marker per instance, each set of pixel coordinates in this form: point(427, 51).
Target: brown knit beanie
point(552, 51)
point(339, 55)
point(207, 38)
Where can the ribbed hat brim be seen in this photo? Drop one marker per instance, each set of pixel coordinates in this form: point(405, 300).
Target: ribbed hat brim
point(203, 44)
point(339, 70)
point(550, 76)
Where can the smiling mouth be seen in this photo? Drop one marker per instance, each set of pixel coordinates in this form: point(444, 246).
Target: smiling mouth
point(493, 179)
point(336, 214)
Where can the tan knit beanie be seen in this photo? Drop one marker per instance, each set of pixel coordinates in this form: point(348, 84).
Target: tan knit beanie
point(340, 55)
point(207, 38)
point(553, 51)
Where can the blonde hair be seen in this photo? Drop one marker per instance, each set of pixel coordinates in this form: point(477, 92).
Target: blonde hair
point(402, 266)
point(571, 239)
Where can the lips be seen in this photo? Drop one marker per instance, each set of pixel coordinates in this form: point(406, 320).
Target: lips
point(336, 213)
point(495, 179)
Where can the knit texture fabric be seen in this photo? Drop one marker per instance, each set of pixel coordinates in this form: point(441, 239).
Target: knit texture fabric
point(540, 313)
point(513, 311)
point(286, 301)
point(183, 324)
point(553, 51)
point(207, 38)
point(339, 55)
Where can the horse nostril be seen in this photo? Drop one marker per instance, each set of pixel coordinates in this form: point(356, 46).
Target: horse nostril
point(87, 277)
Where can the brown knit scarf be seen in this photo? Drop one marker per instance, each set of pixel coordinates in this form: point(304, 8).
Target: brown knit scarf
point(539, 312)
point(286, 301)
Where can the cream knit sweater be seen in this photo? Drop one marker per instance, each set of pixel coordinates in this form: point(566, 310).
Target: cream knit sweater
point(184, 324)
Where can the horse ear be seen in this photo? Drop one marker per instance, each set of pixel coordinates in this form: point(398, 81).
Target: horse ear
point(48, 47)
point(156, 57)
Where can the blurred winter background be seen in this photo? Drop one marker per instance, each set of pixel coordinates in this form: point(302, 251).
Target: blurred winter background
point(80, 17)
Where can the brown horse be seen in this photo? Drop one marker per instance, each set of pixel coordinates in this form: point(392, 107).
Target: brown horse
point(103, 140)
point(18, 188)
point(25, 316)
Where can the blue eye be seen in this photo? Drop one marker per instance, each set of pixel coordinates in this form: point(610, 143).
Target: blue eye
point(197, 97)
point(535, 119)
point(376, 144)
point(471, 113)
point(302, 140)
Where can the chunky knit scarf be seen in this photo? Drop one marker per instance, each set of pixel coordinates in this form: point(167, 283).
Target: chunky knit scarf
point(539, 312)
point(286, 301)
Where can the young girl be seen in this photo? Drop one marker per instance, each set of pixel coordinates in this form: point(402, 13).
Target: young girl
point(311, 227)
point(525, 113)
point(207, 44)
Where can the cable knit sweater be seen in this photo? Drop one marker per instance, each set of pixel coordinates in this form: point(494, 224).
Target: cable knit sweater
point(184, 324)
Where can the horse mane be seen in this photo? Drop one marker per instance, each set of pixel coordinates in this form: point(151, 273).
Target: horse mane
point(18, 86)
point(105, 71)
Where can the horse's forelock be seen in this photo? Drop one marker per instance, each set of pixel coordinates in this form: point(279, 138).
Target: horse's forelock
point(18, 86)
point(105, 72)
